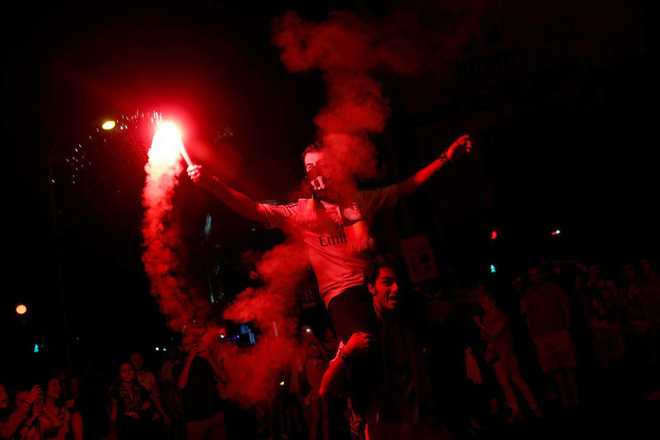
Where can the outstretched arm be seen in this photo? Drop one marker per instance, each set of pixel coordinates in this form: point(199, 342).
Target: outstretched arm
point(414, 182)
point(237, 201)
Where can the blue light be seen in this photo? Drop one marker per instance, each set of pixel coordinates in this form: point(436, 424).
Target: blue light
point(36, 348)
point(492, 269)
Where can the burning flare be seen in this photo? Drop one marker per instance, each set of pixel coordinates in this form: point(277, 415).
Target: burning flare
point(161, 237)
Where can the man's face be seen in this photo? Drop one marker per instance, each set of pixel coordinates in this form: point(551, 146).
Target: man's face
point(535, 276)
point(385, 291)
point(314, 167)
point(137, 361)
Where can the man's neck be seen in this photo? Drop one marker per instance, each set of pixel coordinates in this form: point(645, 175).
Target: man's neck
point(387, 315)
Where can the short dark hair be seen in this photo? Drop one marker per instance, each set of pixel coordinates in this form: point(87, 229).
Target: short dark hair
point(377, 263)
point(314, 147)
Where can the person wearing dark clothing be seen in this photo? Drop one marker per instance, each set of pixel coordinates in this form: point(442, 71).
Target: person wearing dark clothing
point(197, 378)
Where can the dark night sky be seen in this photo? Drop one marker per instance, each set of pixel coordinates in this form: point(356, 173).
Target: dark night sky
point(586, 168)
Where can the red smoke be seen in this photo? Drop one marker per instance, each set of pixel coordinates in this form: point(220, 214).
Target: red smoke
point(348, 50)
point(162, 237)
point(351, 50)
point(253, 373)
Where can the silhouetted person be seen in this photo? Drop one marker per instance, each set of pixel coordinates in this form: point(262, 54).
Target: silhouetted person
point(314, 365)
point(197, 378)
point(148, 380)
point(636, 329)
point(544, 307)
point(600, 301)
point(501, 355)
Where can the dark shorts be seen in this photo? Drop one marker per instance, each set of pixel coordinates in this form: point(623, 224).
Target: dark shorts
point(555, 351)
point(352, 311)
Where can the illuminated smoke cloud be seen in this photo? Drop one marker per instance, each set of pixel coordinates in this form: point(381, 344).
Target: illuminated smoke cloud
point(254, 373)
point(162, 236)
point(350, 50)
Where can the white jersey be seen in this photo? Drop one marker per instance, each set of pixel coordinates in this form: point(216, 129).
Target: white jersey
point(335, 267)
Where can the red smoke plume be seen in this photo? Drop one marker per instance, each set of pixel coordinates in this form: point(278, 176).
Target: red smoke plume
point(350, 50)
point(253, 374)
point(162, 237)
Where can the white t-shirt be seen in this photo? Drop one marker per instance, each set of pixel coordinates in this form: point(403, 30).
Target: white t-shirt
point(336, 269)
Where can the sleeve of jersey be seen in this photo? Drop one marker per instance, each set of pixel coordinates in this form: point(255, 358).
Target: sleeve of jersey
point(374, 200)
point(279, 215)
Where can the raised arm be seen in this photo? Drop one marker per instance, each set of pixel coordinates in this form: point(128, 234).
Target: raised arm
point(9, 427)
point(414, 182)
point(237, 201)
point(182, 380)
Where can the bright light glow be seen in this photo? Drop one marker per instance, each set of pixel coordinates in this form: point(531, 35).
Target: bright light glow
point(169, 130)
point(492, 269)
point(557, 232)
point(167, 144)
point(36, 348)
point(108, 125)
point(493, 235)
point(21, 309)
point(157, 348)
point(282, 383)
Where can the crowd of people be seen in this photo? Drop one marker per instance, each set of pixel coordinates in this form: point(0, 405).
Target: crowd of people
point(580, 334)
point(391, 361)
